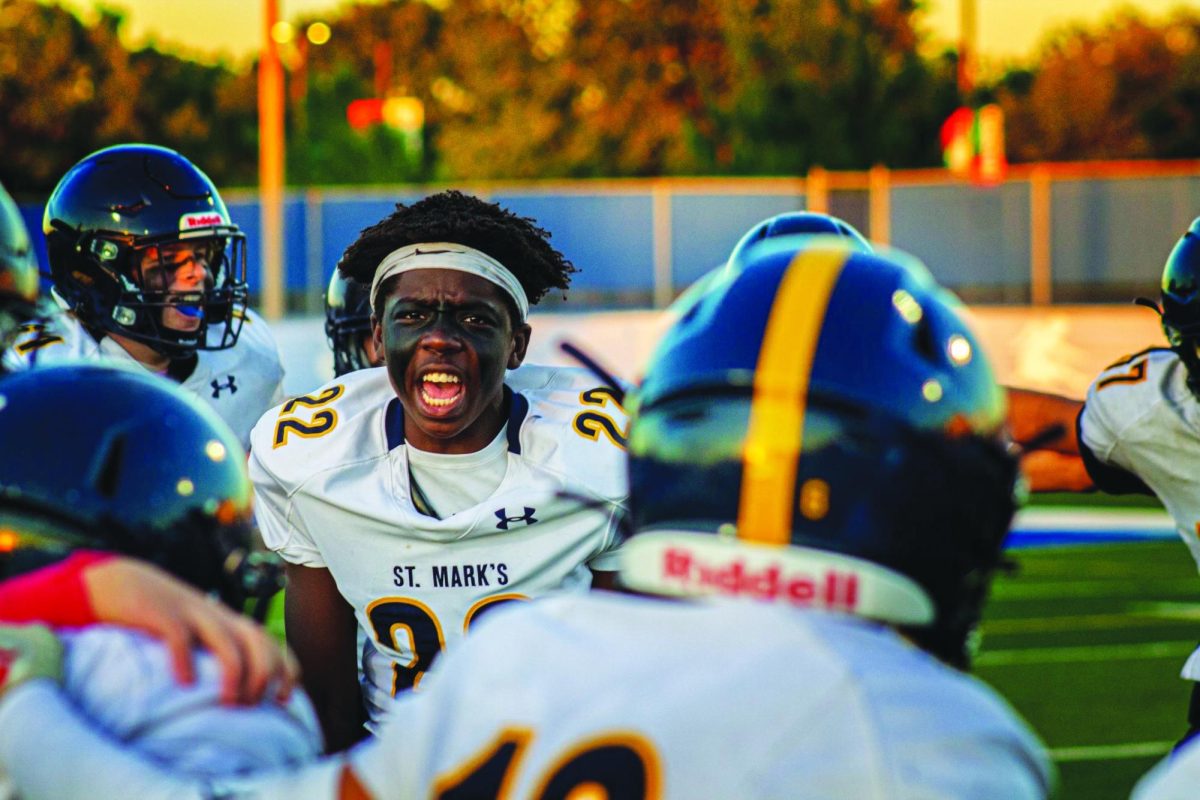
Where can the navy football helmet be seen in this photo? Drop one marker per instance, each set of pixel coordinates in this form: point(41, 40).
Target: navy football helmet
point(821, 428)
point(118, 459)
point(790, 223)
point(18, 272)
point(347, 323)
point(112, 218)
point(1181, 302)
point(794, 223)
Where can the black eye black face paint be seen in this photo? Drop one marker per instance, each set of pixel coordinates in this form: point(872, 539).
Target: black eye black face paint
point(447, 340)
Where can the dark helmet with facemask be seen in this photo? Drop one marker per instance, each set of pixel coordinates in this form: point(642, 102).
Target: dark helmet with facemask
point(114, 218)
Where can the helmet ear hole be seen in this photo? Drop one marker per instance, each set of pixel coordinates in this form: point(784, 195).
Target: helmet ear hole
point(107, 475)
point(925, 341)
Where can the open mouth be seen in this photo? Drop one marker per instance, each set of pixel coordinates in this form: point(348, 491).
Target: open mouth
point(440, 391)
point(190, 304)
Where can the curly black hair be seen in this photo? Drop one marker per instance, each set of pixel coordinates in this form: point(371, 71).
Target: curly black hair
point(451, 216)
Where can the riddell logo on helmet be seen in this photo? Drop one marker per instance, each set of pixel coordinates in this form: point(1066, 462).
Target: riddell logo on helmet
point(189, 221)
point(832, 589)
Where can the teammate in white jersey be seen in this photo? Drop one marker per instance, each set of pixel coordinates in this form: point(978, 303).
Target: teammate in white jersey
point(151, 271)
point(149, 472)
point(92, 586)
point(410, 499)
point(818, 470)
point(1138, 430)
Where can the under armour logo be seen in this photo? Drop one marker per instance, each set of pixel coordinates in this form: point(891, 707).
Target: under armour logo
point(502, 515)
point(217, 387)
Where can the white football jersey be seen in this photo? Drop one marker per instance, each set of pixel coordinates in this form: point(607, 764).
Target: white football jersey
point(1141, 418)
point(606, 695)
point(332, 489)
point(240, 383)
point(639, 697)
point(122, 681)
point(1174, 778)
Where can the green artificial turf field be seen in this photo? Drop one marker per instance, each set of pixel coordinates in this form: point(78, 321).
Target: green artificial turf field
point(1087, 642)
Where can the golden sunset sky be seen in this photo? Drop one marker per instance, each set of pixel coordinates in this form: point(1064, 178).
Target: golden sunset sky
point(1007, 29)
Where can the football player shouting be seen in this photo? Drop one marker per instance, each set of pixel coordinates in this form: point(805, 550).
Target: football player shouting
point(411, 499)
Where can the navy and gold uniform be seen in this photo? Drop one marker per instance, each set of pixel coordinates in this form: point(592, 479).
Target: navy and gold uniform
point(333, 487)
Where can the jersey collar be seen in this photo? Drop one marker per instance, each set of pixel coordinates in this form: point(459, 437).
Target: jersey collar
point(518, 408)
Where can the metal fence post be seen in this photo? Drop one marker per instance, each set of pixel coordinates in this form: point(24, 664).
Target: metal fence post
point(315, 274)
point(661, 212)
point(879, 204)
point(1040, 267)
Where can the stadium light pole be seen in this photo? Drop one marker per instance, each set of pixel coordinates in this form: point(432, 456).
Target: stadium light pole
point(270, 164)
point(967, 34)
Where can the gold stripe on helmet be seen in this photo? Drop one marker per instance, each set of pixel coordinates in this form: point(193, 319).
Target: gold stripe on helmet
point(773, 442)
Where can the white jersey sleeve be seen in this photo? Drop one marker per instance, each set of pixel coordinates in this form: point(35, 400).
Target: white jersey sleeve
point(1174, 778)
point(60, 339)
point(1126, 407)
point(123, 680)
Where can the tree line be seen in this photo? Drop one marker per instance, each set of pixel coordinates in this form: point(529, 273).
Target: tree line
point(515, 89)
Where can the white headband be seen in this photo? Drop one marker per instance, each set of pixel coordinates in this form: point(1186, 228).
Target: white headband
point(445, 255)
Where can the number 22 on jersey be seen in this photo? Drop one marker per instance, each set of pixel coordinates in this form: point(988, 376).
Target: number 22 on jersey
point(412, 619)
point(321, 421)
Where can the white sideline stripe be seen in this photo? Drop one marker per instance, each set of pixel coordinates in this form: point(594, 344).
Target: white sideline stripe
point(1102, 652)
point(1109, 752)
point(1034, 588)
point(1127, 520)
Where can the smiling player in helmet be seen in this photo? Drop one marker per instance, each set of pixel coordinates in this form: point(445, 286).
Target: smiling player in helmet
point(150, 269)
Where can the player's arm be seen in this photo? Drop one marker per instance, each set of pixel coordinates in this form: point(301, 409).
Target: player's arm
point(322, 630)
point(89, 587)
point(38, 725)
point(1031, 414)
point(1056, 465)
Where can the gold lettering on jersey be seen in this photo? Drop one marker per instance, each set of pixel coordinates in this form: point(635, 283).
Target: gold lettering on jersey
point(42, 340)
point(325, 397)
point(320, 423)
point(832, 589)
point(487, 604)
point(1135, 374)
point(592, 424)
point(610, 764)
